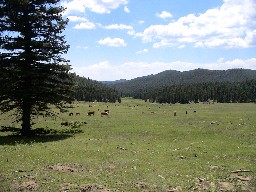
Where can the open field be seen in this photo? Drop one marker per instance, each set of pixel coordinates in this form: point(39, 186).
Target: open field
point(139, 146)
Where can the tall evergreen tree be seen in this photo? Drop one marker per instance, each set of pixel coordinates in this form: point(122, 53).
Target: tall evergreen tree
point(33, 74)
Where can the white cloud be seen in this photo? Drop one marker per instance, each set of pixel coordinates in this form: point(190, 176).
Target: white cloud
point(164, 15)
point(106, 71)
point(119, 26)
point(76, 19)
point(132, 33)
point(85, 25)
point(97, 6)
point(126, 9)
point(230, 25)
point(239, 63)
point(142, 51)
point(115, 42)
point(74, 6)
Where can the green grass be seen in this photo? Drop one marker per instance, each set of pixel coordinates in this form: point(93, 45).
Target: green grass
point(139, 147)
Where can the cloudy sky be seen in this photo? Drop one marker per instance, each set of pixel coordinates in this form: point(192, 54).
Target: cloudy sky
point(125, 39)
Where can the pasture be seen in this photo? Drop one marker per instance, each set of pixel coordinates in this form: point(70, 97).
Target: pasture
point(138, 146)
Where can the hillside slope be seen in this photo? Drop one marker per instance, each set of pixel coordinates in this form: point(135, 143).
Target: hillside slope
point(172, 77)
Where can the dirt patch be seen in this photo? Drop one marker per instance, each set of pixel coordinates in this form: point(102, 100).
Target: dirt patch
point(202, 185)
point(244, 181)
point(94, 188)
point(65, 169)
point(226, 186)
point(241, 177)
point(67, 186)
point(29, 185)
point(174, 189)
point(84, 188)
point(234, 182)
point(142, 186)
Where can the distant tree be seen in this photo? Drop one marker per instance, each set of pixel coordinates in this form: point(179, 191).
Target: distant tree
point(33, 74)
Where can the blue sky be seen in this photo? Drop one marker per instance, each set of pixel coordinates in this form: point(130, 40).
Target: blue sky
point(125, 39)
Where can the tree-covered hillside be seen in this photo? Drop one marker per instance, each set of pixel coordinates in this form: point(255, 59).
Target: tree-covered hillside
point(90, 90)
point(223, 92)
point(234, 85)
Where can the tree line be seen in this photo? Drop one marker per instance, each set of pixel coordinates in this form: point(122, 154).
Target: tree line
point(171, 77)
point(90, 90)
point(223, 92)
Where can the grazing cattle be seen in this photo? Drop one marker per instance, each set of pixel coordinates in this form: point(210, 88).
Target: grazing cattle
point(77, 113)
point(70, 114)
point(194, 111)
point(91, 113)
point(106, 110)
point(64, 124)
point(104, 113)
point(174, 113)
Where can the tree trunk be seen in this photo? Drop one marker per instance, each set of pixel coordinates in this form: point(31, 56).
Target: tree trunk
point(26, 117)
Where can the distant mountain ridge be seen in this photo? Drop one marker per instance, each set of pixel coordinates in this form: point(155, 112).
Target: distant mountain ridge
point(172, 77)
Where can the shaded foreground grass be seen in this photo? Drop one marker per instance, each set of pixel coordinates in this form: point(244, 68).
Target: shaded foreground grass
point(138, 147)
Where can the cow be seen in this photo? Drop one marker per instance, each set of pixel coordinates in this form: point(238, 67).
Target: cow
point(106, 110)
point(77, 113)
point(65, 124)
point(104, 113)
point(71, 114)
point(91, 113)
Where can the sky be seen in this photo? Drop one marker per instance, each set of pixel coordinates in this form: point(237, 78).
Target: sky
point(124, 39)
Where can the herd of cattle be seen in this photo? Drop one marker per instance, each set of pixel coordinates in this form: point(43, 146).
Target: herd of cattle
point(90, 113)
point(106, 113)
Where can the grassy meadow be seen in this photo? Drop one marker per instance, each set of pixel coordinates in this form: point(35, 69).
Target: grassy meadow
point(139, 146)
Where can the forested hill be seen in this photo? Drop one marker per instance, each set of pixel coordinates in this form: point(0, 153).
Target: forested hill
point(142, 86)
point(90, 90)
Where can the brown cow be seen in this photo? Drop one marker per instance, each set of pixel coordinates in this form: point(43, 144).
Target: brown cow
point(71, 114)
point(91, 113)
point(77, 113)
point(104, 113)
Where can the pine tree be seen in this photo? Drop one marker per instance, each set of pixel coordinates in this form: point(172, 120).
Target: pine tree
point(33, 74)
